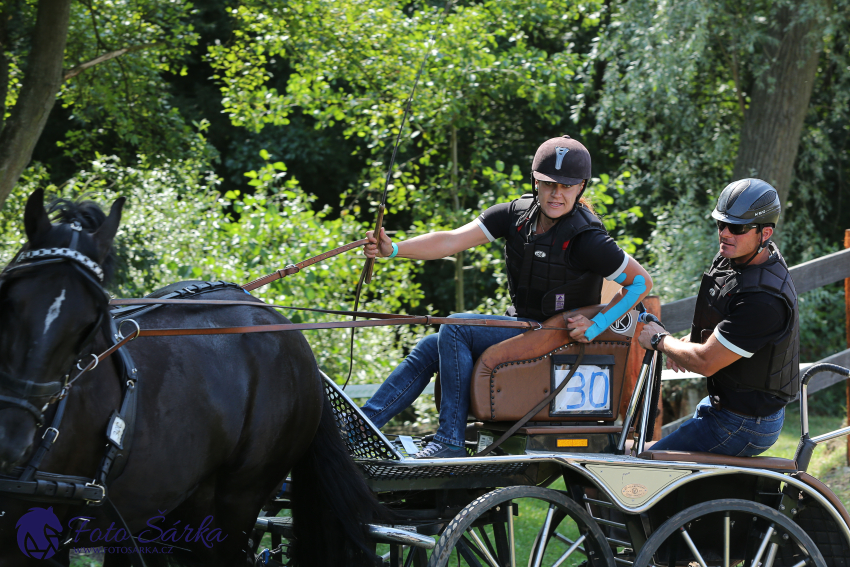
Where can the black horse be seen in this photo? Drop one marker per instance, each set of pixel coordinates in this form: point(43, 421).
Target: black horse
point(221, 419)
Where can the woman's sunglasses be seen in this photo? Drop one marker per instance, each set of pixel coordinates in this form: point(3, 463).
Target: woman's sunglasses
point(736, 229)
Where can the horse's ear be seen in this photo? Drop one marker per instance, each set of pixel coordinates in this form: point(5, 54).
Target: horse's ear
point(106, 233)
point(36, 221)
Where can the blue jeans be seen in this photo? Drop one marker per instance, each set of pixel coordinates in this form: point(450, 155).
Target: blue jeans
point(725, 433)
point(453, 351)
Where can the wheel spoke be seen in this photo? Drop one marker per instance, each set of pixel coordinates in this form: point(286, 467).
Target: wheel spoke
point(763, 546)
point(511, 539)
point(483, 533)
point(569, 552)
point(752, 545)
point(771, 555)
point(482, 548)
point(469, 533)
point(466, 551)
point(568, 541)
point(541, 545)
point(686, 536)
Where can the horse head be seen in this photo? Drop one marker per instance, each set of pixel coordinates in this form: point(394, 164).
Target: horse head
point(52, 302)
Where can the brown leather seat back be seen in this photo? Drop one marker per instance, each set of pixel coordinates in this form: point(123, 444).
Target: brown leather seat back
point(510, 378)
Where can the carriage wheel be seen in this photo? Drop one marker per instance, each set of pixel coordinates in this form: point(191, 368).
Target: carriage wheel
point(489, 532)
point(729, 533)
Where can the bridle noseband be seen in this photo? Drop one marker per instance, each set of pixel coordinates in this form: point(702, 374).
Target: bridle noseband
point(92, 273)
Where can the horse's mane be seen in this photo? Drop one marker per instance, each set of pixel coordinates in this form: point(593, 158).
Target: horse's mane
point(91, 217)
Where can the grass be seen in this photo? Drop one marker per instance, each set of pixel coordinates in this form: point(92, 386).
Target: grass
point(829, 462)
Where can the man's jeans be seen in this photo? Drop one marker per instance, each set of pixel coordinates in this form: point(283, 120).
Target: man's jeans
point(723, 432)
point(453, 351)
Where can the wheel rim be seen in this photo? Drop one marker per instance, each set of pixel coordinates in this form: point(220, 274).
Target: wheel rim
point(481, 534)
point(729, 533)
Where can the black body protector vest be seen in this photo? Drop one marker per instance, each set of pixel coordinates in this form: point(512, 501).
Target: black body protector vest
point(540, 281)
point(775, 368)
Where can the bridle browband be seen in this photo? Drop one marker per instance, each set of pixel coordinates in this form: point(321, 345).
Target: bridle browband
point(66, 253)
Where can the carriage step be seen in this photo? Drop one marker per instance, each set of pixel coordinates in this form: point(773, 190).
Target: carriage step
point(401, 535)
point(604, 503)
point(605, 522)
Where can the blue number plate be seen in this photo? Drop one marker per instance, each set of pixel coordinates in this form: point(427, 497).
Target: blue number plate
point(589, 390)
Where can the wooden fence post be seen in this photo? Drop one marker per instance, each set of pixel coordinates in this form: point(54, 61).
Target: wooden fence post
point(847, 334)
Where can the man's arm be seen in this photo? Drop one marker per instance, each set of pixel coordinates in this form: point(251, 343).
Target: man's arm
point(705, 359)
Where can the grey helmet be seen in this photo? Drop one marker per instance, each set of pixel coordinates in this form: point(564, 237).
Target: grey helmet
point(748, 201)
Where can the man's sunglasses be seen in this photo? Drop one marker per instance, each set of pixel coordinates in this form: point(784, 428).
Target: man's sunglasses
point(736, 229)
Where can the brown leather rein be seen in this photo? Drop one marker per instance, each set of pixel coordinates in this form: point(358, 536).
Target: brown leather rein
point(377, 319)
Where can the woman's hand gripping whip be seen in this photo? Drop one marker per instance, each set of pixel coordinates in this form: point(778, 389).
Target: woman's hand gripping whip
point(366, 274)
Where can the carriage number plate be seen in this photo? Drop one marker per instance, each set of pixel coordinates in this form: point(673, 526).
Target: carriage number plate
point(588, 390)
point(484, 441)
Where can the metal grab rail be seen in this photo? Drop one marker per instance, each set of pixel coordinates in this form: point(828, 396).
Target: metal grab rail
point(807, 444)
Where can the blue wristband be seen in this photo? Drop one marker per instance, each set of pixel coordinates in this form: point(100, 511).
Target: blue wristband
point(395, 251)
point(604, 320)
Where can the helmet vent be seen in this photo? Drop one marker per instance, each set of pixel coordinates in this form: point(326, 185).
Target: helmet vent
point(765, 199)
point(736, 192)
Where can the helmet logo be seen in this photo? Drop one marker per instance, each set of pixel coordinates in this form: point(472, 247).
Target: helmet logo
point(561, 152)
point(540, 254)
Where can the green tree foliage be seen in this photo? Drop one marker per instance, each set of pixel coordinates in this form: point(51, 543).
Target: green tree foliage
point(659, 92)
point(489, 77)
point(677, 84)
point(106, 63)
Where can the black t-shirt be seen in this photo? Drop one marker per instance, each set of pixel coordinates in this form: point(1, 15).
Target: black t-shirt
point(754, 321)
point(591, 251)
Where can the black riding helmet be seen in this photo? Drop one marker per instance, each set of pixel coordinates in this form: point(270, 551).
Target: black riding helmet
point(748, 201)
point(561, 160)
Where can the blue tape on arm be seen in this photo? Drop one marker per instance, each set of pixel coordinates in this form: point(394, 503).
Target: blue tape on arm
point(621, 278)
point(604, 320)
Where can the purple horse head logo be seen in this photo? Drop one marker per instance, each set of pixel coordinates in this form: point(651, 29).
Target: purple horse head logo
point(38, 533)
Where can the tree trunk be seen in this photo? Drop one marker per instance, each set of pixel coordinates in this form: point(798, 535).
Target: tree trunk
point(42, 80)
point(459, 256)
point(4, 61)
point(770, 136)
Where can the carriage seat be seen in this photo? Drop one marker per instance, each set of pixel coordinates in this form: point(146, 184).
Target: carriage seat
point(770, 463)
point(511, 377)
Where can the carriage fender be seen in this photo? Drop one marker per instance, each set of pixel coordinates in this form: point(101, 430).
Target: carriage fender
point(612, 480)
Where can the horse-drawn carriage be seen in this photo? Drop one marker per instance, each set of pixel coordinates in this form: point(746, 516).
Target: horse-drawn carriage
point(557, 472)
point(619, 504)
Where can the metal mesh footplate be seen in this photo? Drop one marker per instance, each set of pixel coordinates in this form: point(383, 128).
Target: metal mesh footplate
point(421, 470)
point(381, 460)
point(362, 439)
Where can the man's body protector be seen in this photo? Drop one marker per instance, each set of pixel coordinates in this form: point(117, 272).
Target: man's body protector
point(540, 280)
point(775, 368)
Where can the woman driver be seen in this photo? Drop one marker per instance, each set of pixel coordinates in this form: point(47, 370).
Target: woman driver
point(557, 253)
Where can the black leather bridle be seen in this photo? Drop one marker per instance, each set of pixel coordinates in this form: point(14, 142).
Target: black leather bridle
point(25, 390)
